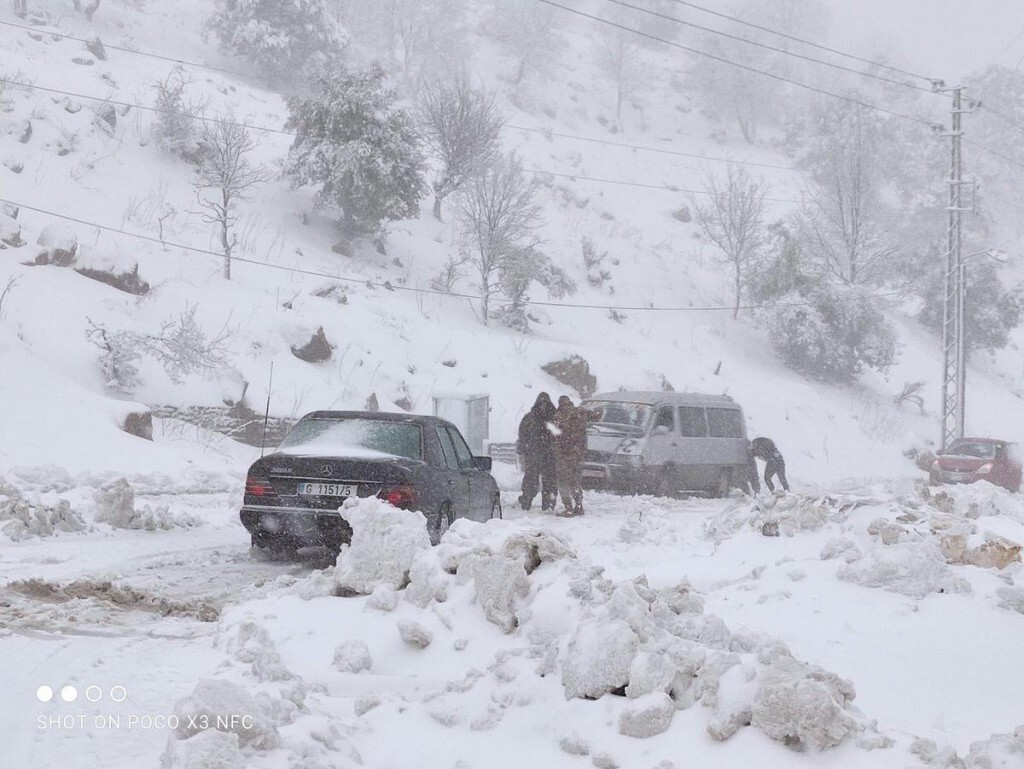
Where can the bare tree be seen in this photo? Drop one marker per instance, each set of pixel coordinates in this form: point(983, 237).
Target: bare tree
point(226, 170)
point(840, 221)
point(618, 56)
point(461, 127)
point(528, 30)
point(732, 218)
point(499, 219)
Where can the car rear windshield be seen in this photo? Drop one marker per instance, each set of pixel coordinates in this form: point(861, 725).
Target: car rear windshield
point(354, 438)
point(973, 449)
point(620, 414)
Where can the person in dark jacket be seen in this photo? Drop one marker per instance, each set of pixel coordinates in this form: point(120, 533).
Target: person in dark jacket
point(774, 464)
point(536, 449)
point(570, 446)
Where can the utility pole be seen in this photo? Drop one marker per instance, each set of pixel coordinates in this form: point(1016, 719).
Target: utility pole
point(954, 358)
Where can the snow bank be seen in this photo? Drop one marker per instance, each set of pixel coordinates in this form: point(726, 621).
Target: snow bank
point(781, 514)
point(385, 542)
point(22, 518)
point(210, 749)
point(225, 706)
point(115, 505)
point(911, 568)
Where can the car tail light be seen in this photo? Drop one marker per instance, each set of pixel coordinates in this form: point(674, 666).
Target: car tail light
point(399, 496)
point(258, 487)
point(985, 469)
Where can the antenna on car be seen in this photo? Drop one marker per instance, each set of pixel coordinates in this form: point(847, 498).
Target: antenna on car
point(266, 414)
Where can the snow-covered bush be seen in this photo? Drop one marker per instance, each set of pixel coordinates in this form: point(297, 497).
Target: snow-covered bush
point(359, 147)
point(831, 333)
point(385, 542)
point(174, 127)
point(286, 39)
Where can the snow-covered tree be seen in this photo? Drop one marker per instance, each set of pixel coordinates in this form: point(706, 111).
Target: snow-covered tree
point(515, 276)
point(528, 31)
point(286, 39)
point(359, 147)
point(732, 219)
point(991, 310)
point(498, 223)
point(461, 127)
point(843, 222)
point(224, 176)
point(831, 333)
point(174, 126)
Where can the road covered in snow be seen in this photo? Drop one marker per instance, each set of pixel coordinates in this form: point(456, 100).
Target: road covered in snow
point(878, 626)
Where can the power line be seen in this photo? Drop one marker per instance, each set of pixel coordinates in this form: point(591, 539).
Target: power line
point(173, 60)
point(767, 47)
point(993, 152)
point(810, 43)
point(409, 289)
point(283, 132)
point(645, 148)
point(724, 60)
point(660, 187)
point(1004, 117)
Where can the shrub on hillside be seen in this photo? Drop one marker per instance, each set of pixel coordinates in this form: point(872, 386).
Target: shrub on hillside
point(286, 39)
point(831, 333)
point(359, 146)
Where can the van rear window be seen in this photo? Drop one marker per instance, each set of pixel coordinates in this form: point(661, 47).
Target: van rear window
point(725, 423)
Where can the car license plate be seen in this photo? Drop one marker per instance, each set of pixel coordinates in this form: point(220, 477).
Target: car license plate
point(327, 489)
point(593, 473)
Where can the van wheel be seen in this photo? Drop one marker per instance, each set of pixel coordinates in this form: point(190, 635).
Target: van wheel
point(723, 485)
point(440, 523)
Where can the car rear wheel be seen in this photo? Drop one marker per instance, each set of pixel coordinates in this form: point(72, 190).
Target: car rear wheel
point(440, 523)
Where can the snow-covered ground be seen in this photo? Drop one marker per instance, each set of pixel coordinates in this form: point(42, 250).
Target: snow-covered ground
point(649, 633)
point(122, 562)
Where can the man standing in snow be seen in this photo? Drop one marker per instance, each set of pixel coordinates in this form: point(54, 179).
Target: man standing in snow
point(536, 449)
point(570, 446)
point(774, 464)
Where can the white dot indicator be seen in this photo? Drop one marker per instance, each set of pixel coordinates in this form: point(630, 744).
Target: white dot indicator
point(44, 694)
point(118, 693)
point(93, 694)
point(69, 694)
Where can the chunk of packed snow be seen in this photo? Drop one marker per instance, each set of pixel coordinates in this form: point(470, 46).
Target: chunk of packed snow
point(1001, 751)
point(500, 582)
point(352, 657)
point(115, 505)
point(385, 542)
point(227, 707)
point(210, 749)
point(647, 716)
point(415, 634)
point(996, 553)
point(256, 648)
point(383, 598)
point(911, 568)
point(598, 658)
point(799, 711)
point(22, 518)
point(650, 671)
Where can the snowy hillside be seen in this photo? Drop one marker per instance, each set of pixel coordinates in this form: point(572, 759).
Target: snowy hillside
point(122, 560)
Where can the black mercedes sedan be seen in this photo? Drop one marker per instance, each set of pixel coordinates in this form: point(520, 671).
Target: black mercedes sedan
point(414, 462)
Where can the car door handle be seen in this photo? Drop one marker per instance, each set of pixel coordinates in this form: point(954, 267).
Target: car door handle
point(451, 482)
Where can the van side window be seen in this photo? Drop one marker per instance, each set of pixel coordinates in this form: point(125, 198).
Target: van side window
point(725, 423)
point(691, 422)
point(664, 418)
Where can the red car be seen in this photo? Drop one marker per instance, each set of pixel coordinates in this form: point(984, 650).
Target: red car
point(974, 459)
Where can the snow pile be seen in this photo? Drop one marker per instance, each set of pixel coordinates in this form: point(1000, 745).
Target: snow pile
point(385, 542)
point(655, 651)
point(352, 657)
point(22, 518)
point(226, 707)
point(115, 505)
point(911, 568)
point(781, 514)
point(210, 749)
point(1001, 751)
point(975, 500)
point(255, 647)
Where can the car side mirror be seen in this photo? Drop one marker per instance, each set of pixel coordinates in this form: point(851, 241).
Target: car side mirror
point(483, 463)
point(661, 430)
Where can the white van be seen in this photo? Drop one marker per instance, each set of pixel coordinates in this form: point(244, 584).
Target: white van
point(666, 443)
